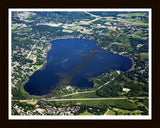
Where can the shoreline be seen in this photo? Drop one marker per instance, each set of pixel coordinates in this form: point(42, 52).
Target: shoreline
point(105, 48)
point(133, 64)
point(40, 68)
point(43, 65)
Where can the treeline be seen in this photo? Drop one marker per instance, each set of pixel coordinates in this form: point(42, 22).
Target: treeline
point(138, 85)
point(93, 110)
point(21, 58)
point(119, 48)
point(23, 105)
point(43, 28)
point(138, 88)
point(136, 41)
point(104, 14)
point(42, 104)
point(61, 17)
point(133, 41)
point(143, 78)
point(17, 93)
point(111, 90)
point(21, 42)
point(102, 79)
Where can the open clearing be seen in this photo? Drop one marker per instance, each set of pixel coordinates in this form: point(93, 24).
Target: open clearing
point(86, 113)
point(30, 102)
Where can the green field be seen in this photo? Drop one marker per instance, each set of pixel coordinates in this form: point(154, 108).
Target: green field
point(86, 113)
point(37, 66)
point(82, 95)
point(131, 14)
point(122, 104)
point(126, 112)
point(144, 55)
point(116, 107)
point(110, 112)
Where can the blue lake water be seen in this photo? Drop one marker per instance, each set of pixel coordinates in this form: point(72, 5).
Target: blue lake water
point(79, 57)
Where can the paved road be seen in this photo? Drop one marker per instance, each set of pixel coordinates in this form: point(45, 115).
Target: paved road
point(92, 14)
point(78, 93)
point(91, 99)
point(89, 91)
point(83, 99)
point(31, 51)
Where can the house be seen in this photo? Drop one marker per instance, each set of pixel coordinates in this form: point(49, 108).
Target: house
point(59, 109)
point(48, 106)
point(126, 89)
point(50, 110)
point(39, 110)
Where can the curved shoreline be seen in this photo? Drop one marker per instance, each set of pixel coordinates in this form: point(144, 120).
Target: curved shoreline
point(43, 65)
point(40, 68)
point(105, 48)
point(133, 64)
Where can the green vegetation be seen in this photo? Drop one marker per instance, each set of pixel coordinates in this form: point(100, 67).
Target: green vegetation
point(131, 14)
point(110, 112)
point(82, 95)
point(86, 113)
point(144, 56)
point(111, 90)
point(126, 112)
point(117, 107)
point(23, 105)
point(122, 104)
point(94, 107)
point(145, 102)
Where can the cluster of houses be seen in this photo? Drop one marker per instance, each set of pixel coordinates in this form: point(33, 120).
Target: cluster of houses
point(49, 110)
point(27, 54)
point(62, 110)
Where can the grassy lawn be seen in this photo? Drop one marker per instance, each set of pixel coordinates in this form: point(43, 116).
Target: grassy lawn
point(76, 27)
point(82, 95)
point(40, 48)
point(30, 57)
point(132, 101)
point(30, 102)
point(37, 66)
point(131, 14)
point(122, 104)
point(126, 112)
point(110, 112)
point(122, 44)
point(116, 43)
point(141, 24)
point(120, 107)
point(86, 113)
point(139, 104)
point(144, 55)
point(28, 64)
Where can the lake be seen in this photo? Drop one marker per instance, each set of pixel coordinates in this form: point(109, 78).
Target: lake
point(79, 58)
